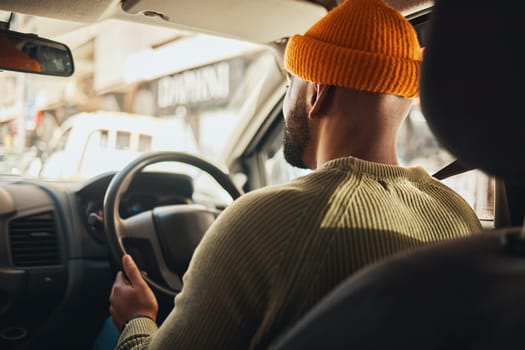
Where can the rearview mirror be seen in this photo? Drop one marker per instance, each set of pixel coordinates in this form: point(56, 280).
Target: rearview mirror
point(32, 54)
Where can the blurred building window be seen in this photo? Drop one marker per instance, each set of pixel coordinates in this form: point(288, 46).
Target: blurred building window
point(145, 142)
point(104, 137)
point(123, 140)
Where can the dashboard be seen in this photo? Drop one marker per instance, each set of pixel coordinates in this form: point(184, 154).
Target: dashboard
point(149, 190)
point(55, 268)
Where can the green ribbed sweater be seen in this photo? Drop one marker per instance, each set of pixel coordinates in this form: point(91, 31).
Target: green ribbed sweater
point(275, 252)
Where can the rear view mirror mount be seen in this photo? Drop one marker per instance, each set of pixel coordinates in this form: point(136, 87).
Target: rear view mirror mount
point(30, 53)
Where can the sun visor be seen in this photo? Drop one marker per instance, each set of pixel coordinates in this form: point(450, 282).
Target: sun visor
point(252, 20)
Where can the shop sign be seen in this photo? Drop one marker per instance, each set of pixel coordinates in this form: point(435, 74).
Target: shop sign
point(203, 87)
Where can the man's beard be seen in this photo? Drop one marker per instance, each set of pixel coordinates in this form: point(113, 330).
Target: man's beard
point(296, 138)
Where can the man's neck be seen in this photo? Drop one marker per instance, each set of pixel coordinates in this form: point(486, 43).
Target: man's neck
point(371, 148)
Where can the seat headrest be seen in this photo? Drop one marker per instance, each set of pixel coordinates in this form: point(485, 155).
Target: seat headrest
point(472, 84)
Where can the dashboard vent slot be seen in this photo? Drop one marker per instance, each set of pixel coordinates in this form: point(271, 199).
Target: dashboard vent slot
point(34, 241)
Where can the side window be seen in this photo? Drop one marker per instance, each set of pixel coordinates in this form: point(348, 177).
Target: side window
point(123, 140)
point(145, 142)
point(104, 139)
point(91, 159)
point(97, 140)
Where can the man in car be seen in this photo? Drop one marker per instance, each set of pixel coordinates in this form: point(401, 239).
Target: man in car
point(277, 251)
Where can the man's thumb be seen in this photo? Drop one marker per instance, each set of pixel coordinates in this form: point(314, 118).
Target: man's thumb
point(131, 270)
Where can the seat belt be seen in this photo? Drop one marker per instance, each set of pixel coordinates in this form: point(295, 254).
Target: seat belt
point(453, 168)
point(501, 207)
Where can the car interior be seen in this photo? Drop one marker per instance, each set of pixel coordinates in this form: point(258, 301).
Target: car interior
point(61, 242)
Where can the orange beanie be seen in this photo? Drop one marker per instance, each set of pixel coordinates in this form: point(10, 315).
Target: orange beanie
point(361, 44)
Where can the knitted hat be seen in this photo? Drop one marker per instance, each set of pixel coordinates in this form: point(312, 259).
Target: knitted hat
point(361, 44)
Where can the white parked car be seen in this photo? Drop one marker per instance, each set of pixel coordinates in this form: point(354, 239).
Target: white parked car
point(87, 144)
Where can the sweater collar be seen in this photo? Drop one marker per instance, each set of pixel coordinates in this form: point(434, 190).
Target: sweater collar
point(376, 169)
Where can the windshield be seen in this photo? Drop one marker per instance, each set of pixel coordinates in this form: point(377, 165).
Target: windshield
point(163, 90)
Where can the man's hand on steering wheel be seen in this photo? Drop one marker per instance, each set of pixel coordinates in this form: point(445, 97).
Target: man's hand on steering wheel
point(131, 296)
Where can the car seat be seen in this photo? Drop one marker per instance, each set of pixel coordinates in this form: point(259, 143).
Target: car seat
point(467, 293)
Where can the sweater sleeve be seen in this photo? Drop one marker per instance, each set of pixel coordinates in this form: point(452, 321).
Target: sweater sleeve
point(225, 288)
point(136, 333)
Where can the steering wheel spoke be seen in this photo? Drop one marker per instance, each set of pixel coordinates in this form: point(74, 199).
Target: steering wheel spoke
point(140, 226)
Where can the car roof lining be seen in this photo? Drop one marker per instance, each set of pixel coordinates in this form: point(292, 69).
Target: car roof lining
point(185, 10)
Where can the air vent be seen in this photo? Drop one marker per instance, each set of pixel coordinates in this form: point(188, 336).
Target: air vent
point(34, 241)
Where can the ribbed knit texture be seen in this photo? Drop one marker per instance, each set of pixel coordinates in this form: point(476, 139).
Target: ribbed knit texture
point(277, 251)
point(361, 44)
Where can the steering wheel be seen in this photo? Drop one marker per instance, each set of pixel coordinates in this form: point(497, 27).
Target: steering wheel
point(169, 234)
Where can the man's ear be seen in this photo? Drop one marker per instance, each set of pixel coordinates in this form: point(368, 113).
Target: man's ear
point(319, 99)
